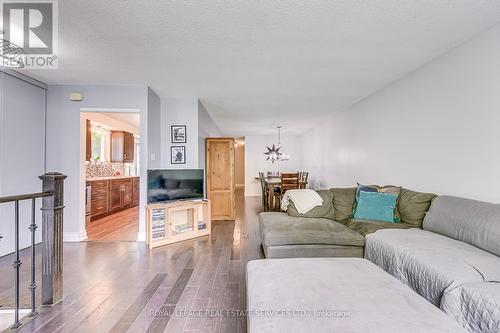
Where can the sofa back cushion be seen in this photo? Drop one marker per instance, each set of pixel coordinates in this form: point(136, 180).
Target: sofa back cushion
point(412, 206)
point(324, 211)
point(470, 221)
point(343, 201)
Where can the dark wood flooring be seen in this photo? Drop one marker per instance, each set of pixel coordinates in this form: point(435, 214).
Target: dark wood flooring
point(125, 287)
point(121, 226)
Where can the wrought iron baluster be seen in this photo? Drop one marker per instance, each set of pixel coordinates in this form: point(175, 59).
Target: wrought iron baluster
point(17, 265)
point(33, 228)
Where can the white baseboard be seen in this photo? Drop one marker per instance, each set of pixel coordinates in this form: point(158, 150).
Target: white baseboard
point(141, 236)
point(74, 236)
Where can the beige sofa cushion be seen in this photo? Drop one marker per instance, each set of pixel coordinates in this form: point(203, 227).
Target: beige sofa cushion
point(323, 211)
point(281, 229)
point(343, 201)
point(412, 206)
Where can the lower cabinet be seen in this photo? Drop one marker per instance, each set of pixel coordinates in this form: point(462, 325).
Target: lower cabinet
point(121, 195)
point(109, 196)
point(136, 190)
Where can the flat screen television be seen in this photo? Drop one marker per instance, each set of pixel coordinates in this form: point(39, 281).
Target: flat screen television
point(175, 184)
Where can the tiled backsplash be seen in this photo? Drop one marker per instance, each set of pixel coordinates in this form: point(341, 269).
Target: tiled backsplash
point(107, 169)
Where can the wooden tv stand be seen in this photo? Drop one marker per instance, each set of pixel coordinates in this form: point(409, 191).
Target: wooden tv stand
point(171, 222)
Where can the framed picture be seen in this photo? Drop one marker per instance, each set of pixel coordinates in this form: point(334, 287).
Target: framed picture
point(178, 133)
point(178, 155)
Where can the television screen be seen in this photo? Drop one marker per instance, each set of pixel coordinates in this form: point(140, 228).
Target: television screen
point(175, 184)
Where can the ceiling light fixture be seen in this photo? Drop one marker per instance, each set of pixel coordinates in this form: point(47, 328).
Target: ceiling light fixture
point(274, 153)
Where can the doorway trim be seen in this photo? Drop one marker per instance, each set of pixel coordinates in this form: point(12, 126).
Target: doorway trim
point(141, 235)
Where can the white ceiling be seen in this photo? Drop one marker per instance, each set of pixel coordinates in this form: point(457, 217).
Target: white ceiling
point(130, 118)
point(258, 63)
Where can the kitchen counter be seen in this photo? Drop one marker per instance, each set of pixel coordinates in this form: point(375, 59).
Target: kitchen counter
point(90, 179)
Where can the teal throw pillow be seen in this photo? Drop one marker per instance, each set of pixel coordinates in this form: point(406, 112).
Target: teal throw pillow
point(375, 206)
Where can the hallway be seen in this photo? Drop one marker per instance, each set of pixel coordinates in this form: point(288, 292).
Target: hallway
point(123, 286)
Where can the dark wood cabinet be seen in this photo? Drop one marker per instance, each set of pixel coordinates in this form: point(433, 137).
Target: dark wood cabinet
point(136, 190)
point(115, 195)
point(121, 193)
point(122, 147)
point(99, 197)
point(109, 196)
point(88, 141)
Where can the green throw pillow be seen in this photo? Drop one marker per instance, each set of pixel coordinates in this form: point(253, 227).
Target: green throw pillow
point(324, 211)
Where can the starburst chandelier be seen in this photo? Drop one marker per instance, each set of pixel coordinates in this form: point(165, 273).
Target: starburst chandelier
point(275, 152)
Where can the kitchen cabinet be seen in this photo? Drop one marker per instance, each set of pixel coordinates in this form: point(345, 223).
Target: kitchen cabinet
point(136, 190)
point(120, 192)
point(88, 141)
point(98, 197)
point(111, 195)
point(122, 147)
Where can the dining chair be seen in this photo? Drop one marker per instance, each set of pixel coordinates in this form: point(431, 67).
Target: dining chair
point(273, 174)
point(265, 193)
point(303, 175)
point(289, 181)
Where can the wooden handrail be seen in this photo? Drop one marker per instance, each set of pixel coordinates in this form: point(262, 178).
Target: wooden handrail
point(21, 197)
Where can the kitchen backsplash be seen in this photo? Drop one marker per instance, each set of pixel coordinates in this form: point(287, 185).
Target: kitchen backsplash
point(107, 169)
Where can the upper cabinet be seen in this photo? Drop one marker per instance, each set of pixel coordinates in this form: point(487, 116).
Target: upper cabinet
point(122, 147)
point(88, 141)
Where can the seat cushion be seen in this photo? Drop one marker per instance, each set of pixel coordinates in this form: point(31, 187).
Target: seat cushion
point(428, 262)
point(476, 306)
point(281, 229)
point(365, 227)
point(470, 221)
point(323, 211)
point(349, 295)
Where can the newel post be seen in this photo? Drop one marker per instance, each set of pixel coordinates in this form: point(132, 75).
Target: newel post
point(52, 238)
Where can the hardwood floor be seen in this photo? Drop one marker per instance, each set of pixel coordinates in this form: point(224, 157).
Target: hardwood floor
point(124, 287)
point(121, 226)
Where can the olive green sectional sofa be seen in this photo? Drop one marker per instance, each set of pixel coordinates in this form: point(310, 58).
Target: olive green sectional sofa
point(330, 230)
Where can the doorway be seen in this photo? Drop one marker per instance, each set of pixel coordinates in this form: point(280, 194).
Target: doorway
point(111, 173)
point(239, 164)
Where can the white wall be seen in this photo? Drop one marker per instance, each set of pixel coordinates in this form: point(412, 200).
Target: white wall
point(434, 130)
point(22, 155)
point(179, 112)
point(206, 129)
point(255, 160)
point(66, 133)
point(154, 130)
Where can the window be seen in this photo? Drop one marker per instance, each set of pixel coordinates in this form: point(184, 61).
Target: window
point(100, 140)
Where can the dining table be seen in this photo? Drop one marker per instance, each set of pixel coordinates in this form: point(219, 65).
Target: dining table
point(273, 182)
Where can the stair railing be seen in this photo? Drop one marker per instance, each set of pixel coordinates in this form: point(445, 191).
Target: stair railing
point(52, 247)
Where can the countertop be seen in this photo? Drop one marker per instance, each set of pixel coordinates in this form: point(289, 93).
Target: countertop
point(109, 178)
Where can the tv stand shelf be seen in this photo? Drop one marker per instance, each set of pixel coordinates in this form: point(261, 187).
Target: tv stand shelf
point(172, 222)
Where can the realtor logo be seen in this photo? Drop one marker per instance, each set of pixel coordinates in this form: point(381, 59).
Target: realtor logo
point(29, 27)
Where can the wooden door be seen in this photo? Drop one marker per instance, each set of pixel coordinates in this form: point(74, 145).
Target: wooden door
point(115, 195)
point(127, 193)
point(220, 177)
